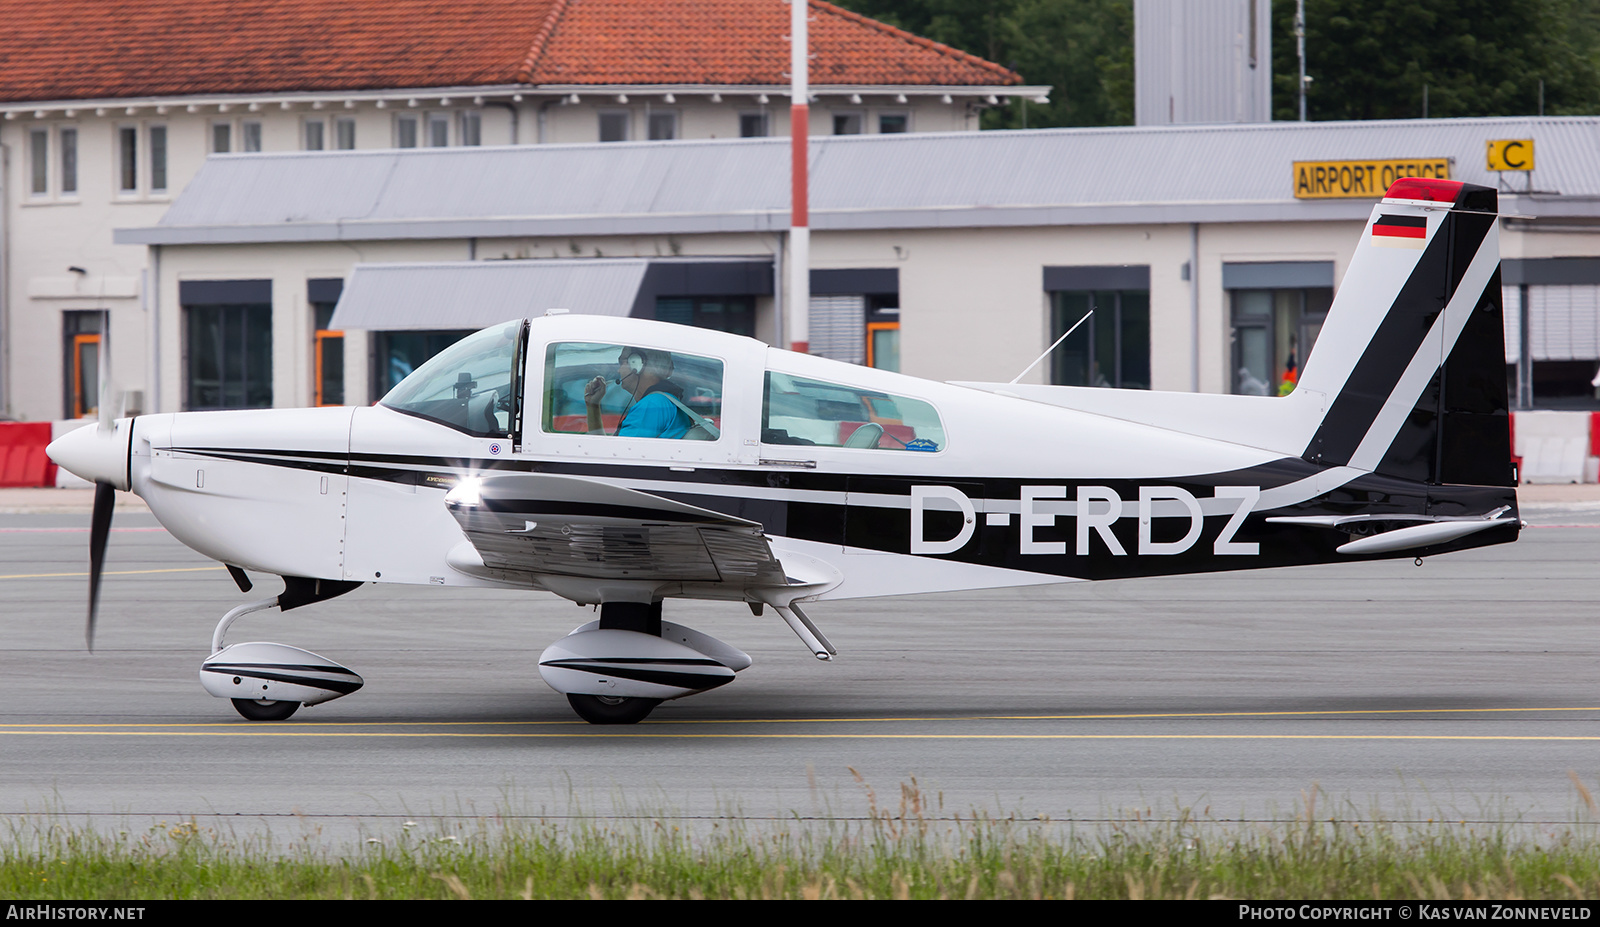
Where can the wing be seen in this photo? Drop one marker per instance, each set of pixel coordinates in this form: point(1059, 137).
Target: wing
point(574, 526)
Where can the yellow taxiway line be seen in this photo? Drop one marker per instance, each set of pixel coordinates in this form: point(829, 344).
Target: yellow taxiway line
point(648, 735)
point(674, 730)
point(879, 720)
point(112, 572)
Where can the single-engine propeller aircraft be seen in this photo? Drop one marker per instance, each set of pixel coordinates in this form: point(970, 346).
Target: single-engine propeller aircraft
point(621, 462)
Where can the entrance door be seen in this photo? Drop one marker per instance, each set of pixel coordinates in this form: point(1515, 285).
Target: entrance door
point(85, 374)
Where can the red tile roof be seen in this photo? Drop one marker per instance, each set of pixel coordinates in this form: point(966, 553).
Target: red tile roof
point(108, 49)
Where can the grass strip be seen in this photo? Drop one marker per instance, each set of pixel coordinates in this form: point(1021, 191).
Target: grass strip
point(901, 851)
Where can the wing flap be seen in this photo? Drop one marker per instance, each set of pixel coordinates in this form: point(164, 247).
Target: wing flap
point(573, 526)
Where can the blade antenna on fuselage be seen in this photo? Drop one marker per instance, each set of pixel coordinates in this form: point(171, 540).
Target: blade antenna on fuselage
point(1054, 346)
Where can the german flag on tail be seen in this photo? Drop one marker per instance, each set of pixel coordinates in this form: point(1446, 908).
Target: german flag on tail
point(1400, 232)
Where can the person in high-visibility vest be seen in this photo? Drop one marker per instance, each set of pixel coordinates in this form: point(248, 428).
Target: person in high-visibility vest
point(1291, 374)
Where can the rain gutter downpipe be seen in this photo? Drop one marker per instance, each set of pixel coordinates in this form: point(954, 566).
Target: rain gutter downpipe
point(1194, 307)
point(512, 108)
point(799, 230)
point(5, 280)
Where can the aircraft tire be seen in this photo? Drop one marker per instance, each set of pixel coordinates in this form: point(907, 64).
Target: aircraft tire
point(255, 710)
point(599, 709)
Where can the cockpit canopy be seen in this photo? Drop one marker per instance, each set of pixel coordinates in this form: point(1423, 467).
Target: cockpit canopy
point(475, 385)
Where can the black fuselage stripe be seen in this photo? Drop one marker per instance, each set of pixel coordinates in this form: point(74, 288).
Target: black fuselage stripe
point(883, 524)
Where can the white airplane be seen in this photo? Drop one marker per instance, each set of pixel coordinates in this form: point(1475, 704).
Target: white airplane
point(620, 463)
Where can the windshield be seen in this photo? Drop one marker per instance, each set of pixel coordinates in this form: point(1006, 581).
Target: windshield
point(470, 386)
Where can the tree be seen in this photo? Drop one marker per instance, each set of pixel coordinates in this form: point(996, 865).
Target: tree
point(1083, 49)
point(1375, 59)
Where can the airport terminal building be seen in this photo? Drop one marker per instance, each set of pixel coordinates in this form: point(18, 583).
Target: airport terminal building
point(1210, 254)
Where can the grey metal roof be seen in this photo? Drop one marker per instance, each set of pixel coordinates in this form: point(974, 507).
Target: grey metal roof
point(1221, 173)
point(473, 295)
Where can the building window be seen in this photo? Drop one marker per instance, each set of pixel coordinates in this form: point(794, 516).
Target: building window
point(614, 125)
point(472, 129)
point(399, 353)
point(1111, 348)
point(69, 161)
point(663, 126)
point(855, 316)
point(735, 314)
point(327, 386)
point(158, 158)
point(893, 123)
point(838, 327)
point(250, 132)
point(228, 340)
point(39, 162)
point(344, 133)
point(846, 123)
point(221, 137)
point(753, 125)
point(883, 331)
point(127, 159)
point(438, 130)
point(315, 129)
point(1563, 343)
point(83, 333)
point(405, 132)
point(1273, 332)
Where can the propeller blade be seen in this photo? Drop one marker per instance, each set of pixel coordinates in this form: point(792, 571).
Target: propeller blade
point(113, 404)
point(105, 499)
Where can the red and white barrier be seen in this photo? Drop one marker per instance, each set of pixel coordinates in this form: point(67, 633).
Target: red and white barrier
point(22, 458)
point(1556, 447)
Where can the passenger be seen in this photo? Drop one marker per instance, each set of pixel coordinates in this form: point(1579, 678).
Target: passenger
point(650, 413)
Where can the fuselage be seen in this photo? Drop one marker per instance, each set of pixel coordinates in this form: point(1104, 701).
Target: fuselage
point(1013, 491)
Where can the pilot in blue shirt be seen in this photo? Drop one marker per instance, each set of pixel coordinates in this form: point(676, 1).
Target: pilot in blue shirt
point(650, 414)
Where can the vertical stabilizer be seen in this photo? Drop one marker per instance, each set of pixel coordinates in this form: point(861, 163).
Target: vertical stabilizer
point(1413, 353)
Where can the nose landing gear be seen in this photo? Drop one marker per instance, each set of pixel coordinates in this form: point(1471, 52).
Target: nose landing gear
point(267, 681)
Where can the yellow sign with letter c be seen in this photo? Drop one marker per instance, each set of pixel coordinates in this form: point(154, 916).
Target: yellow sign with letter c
point(1511, 154)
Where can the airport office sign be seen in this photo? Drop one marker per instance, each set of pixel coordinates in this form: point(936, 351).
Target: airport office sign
point(1325, 180)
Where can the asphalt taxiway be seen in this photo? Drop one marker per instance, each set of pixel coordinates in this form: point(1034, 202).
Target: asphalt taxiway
point(1464, 689)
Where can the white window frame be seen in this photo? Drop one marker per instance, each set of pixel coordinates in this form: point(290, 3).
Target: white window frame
point(877, 123)
point(469, 125)
point(339, 123)
point(211, 136)
point(120, 168)
point(766, 123)
point(144, 166)
point(320, 126)
point(858, 115)
point(246, 143)
point(431, 123)
point(627, 123)
point(417, 126)
point(59, 161)
point(147, 139)
point(38, 161)
point(651, 115)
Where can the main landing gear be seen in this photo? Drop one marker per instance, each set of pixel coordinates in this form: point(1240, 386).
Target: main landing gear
point(268, 681)
point(618, 669)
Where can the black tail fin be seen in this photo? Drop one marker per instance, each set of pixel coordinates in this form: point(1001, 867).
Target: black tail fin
point(1415, 365)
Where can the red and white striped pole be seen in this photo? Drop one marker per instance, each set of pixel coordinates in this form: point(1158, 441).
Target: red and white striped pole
point(799, 231)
